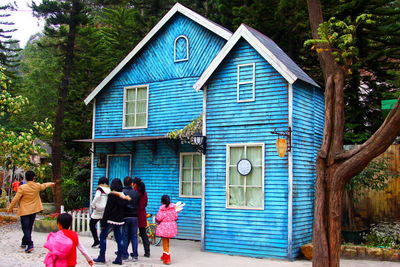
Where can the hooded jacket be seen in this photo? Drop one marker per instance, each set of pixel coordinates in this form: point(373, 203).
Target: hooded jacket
point(167, 217)
point(99, 201)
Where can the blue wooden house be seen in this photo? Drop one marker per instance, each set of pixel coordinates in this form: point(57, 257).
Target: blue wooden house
point(241, 197)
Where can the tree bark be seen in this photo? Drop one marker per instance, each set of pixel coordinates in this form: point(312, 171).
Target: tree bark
point(62, 99)
point(334, 166)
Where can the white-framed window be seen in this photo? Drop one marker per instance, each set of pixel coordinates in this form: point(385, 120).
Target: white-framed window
point(246, 82)
point(181, 48)
point(245, 191)
point(190, 175)
point(135, 112)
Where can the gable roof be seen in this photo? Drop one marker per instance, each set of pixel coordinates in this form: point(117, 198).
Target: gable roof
point(267, 48)
point(206, 23)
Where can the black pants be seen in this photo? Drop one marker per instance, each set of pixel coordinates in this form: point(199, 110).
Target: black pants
point(145, 240)
point(93, 230)
point(27, 225)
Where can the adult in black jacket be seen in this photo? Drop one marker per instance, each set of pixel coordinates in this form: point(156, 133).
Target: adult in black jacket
point(130, 227)
point(113, 219)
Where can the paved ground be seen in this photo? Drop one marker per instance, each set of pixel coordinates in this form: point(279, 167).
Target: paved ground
point(184, 253)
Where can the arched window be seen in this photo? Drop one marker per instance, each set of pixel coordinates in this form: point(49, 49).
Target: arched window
point(181, 48)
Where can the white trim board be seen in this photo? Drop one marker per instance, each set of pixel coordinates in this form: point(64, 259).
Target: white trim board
point(222, 32)
point(244, 32)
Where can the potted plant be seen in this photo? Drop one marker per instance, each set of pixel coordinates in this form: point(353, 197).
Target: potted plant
point(47, 224)
point(373, 177)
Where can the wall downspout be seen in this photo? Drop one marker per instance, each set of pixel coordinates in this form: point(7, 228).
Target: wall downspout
point(203, 173)
point(92, 154)
point(290, 176)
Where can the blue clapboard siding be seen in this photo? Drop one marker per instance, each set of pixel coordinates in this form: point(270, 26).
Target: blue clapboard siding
point(160, 173)
point(172, 101)
point(257, 233)
point(308, 122)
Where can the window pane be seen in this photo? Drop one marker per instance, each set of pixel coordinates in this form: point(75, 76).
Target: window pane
point(246, 91)
point(130, 120)
point(254, 197)
point(254, 154)
point(187, 161)
point(181, 49)
point(186, 175)
point(197, 175)
point(186, 190)
point(141, 120)
point(141, 106)
point(131, 94)
point(196, 189)
point(142, 93)
point(130, 108)
point(255, 177)
point(246, 73)
point(197, 161)
point(236, 154)
point(234, 177)
point(236, 196)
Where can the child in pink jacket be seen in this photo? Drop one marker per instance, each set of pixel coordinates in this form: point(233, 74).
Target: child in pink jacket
point(167, 228)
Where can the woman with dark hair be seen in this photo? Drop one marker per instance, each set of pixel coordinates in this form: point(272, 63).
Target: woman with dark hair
point(140, 187)
point(113, 219)
point(98, 205)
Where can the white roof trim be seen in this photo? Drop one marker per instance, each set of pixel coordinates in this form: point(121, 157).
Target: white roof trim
point(224, 33)
point(242, 31)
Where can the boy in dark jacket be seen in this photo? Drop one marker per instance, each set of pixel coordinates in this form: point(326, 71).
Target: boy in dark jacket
point(130, 227)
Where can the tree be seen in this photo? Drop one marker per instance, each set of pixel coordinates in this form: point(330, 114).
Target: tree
point(63, 19)
point(336, 49)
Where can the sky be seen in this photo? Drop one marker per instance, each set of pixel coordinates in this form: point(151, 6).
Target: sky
point(25, 23)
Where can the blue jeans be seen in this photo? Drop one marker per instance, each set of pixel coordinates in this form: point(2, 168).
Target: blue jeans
point(117, 229)
point(27, 225)
point(130, 230)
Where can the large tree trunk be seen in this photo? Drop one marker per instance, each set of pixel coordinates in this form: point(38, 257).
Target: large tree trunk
point(62, 99)
point(336, 167)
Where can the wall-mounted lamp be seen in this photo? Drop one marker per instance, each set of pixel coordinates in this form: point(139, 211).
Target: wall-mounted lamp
point(200, 142)
point(283, 142)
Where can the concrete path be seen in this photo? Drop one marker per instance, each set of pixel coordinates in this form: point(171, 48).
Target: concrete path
point(184, 253)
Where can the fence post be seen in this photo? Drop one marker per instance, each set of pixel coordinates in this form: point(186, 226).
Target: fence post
point(73, 220)
point(62, 209)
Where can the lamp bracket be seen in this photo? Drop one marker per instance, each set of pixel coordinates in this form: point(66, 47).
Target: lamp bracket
point(288, 135)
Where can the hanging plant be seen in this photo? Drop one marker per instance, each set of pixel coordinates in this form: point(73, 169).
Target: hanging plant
point(186, 134)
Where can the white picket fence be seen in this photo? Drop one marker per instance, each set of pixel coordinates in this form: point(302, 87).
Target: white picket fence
point(80, 221)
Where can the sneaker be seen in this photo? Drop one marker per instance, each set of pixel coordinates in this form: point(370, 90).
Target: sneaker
point(29, 249)
point(23, 247)
point(95, 244)
point(100, 260)
point(134, 259)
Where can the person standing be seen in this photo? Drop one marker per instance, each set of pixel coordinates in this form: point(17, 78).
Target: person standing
point(30, 203)
point(167, 228)
point(140, 187)
point(113, 219)
point(98, 205)
point(130, 227)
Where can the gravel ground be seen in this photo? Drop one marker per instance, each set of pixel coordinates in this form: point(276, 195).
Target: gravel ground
point(184, 253)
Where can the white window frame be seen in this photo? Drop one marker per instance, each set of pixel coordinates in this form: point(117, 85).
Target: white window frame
point(228, 160)
point(181, 172)
point(124, 107)
point(187, 48)
point(252, 82)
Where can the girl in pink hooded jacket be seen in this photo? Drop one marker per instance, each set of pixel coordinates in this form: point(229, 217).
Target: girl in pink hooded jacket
point(167, 228)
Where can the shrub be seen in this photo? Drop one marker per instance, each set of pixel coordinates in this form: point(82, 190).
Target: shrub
point(384, 234)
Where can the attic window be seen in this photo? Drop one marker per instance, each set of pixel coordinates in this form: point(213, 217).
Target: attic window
point(246, 82)
point(181, 48)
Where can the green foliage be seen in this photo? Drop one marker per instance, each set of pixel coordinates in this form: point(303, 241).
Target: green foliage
point(339, 37)
point(76, 184)
point(373, 177)
point(384, 234)
point(16, 147)
point(186, 134)
point(3, 198)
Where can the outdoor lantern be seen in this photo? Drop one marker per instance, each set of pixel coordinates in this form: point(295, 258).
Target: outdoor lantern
point(200, 142)
point(283, 142)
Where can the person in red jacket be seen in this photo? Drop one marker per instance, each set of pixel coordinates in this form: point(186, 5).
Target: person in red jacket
point(140, 187)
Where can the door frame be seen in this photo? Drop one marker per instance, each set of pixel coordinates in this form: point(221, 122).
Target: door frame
point(119, 155)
